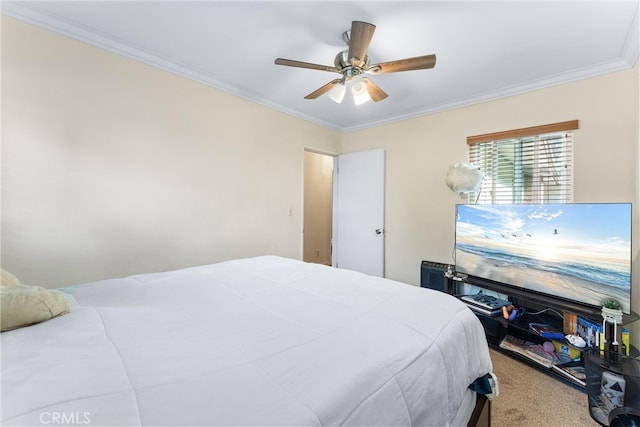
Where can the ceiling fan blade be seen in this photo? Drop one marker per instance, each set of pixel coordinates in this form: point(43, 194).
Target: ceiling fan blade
point(361, 34)
point(417, 63)
point(300, 64)
point(375, 92)
point(322, 90)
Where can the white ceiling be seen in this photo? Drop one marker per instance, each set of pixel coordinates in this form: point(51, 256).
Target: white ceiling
point(485, 50)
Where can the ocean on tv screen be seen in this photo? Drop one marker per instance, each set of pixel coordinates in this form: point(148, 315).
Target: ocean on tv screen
point(580, 252)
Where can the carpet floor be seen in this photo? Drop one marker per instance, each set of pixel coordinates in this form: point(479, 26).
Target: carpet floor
point(529, 397)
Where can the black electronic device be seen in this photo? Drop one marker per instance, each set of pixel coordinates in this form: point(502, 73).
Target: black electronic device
point(485, 304)
point(433, 275)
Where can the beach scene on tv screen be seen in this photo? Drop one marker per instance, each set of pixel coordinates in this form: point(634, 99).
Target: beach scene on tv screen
point(580, 252)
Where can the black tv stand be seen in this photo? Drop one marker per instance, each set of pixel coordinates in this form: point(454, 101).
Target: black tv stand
point(537, 309)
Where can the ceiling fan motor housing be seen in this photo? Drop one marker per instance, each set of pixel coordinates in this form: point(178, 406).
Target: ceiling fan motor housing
point(342, 63)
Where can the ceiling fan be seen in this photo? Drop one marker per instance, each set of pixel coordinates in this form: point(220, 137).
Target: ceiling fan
point(353, 63)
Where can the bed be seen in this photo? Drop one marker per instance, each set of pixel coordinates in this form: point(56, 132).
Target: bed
point(264, 341)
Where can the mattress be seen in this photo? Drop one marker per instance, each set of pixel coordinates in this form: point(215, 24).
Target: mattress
point(264, 341)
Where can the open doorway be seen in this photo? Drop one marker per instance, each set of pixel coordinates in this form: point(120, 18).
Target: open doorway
point(318, 207)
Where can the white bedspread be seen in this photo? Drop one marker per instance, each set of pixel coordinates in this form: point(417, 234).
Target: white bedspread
point(259, 341)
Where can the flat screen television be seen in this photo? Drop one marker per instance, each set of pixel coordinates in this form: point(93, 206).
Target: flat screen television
point(575, 252)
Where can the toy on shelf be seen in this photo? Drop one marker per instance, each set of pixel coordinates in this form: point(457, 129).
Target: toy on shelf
point(510, 312)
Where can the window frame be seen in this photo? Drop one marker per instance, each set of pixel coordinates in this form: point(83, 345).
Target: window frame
point(535, 136)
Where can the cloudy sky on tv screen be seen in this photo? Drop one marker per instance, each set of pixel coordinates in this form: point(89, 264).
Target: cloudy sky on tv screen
point(577, 251)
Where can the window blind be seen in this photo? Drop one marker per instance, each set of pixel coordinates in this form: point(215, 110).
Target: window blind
point(533, 168)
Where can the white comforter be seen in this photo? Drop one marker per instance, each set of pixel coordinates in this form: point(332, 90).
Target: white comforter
point(260, 341)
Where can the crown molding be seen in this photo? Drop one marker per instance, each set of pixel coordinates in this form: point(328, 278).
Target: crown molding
point(87, 35)
point(628, 57)
point(555, 80)
point(631, 48)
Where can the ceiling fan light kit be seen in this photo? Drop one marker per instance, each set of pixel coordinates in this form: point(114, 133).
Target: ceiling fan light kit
point(359, 90)
point(337, 92)
point(353, 63)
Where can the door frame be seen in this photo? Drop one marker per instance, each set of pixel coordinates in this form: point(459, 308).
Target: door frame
point(334, 155)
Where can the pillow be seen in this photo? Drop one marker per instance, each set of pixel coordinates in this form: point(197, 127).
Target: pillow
point(8, 279)
point(24, 305)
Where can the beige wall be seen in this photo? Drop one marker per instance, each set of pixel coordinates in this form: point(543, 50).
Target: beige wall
point(420, 208)
point(111, 167)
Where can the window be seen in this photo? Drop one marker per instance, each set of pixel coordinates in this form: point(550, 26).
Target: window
point(530, 165)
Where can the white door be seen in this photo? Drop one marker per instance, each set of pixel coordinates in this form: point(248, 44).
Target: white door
point(358, 231)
